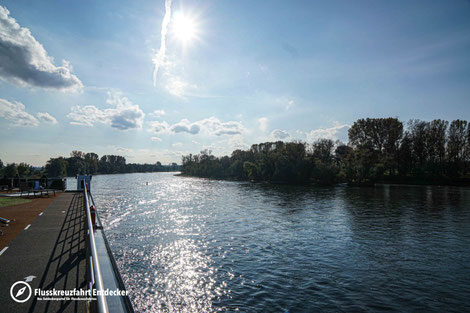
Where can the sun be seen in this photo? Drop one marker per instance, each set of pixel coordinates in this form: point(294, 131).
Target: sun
point(184, 27)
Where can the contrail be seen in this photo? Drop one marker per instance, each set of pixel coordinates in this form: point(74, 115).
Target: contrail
point(159, 57)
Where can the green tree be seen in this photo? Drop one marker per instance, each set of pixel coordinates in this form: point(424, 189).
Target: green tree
point(251, 170)
point(24, 169)
point(56, 167)
point(10, 170)
point(92, 160)
point(383, 136)
point(76, 166)
point(77, 154)
point(456, 146)
point(323, 150)
point(436, 146)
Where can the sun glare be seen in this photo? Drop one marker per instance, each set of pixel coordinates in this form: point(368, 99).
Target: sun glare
point(184, 27)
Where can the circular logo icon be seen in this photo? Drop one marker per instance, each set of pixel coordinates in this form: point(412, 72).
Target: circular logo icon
point(20, 291)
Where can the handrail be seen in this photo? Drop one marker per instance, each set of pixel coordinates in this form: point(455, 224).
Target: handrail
point(117, 275)
point(102, 304)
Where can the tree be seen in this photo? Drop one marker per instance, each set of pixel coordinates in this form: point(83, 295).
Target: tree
point(251, 170)
point(77, 154)
point(110, 164)
point(382, 135)
point(323, 149)
point(435, 146)
point(24, 169)
point(10, 170)
point(457, 141)
point(92, 160)
point(405, 155)
point(417, 135)
point(76, 166)
point(1, 164)
point(56, 167)
point(456, 146)
point(378, 149)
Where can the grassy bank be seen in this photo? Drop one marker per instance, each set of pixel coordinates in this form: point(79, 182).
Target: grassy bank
point(7, 201)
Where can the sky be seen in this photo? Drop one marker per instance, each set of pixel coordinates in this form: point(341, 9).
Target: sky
point(155, 80)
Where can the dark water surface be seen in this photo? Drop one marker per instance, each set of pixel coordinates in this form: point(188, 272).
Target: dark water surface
point(194, 245)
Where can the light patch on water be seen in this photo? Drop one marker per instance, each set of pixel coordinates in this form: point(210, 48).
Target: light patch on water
point(147, 201)
point(119, 219)
point(180, 279)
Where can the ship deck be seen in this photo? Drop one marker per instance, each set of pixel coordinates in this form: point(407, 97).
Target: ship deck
point(50, 254)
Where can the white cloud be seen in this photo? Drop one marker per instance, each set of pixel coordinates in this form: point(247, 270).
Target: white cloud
point(173, 153)
point(25, 62)
point(338, 131)
point(289, 104)
point(177, 144)
point(175, 85)
point(280, 134)
point(16, 112)
point(159, 127)
point(212, 126)
point(237, 142)
point(159, 57)
point(158, 113)
point(86, 115)
point(185, 126)
point(124, 116)
point(263, 123)
point(156, 139)
point(46, 117)
point(120, 149)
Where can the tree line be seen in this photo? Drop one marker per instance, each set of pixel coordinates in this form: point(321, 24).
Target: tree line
point(379, 149)
point(22, 170)
point(83, 163)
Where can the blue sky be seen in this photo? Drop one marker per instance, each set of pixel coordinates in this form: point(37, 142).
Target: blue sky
point(78, 75)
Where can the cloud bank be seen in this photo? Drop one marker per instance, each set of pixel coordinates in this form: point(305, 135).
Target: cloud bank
point(16, 113)
point(124, 116)
point(337, 132)
point(25, 62)
point(212, 126)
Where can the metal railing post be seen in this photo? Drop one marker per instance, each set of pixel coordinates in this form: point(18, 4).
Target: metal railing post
point(102, 304)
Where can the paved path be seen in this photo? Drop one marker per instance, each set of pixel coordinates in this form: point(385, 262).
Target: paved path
point(51, 252)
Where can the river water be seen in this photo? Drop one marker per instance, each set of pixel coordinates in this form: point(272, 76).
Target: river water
point(194, 245)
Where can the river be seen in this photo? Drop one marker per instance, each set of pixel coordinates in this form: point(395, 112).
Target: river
point(194, 245)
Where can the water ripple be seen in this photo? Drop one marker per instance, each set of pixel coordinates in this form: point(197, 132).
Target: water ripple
point(194, 245)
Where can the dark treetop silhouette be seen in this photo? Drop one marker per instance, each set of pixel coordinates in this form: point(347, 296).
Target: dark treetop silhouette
point(379, 149)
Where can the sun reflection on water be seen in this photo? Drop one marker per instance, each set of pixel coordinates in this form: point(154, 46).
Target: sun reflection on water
point(171, 260)
point(179, 278)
